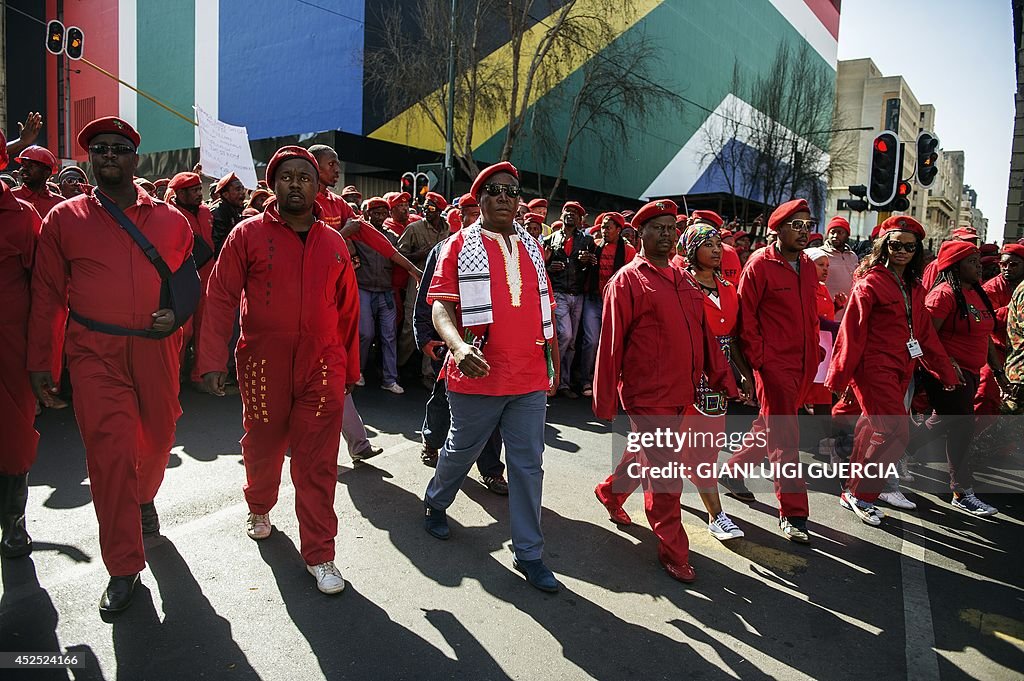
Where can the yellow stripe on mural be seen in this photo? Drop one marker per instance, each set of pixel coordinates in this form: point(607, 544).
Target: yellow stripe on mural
point(412, 128)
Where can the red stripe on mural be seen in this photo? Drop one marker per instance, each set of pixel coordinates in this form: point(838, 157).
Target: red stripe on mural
point(827, 12)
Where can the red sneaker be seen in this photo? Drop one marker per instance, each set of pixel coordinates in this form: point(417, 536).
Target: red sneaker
point(615, 513)
point(683, 573)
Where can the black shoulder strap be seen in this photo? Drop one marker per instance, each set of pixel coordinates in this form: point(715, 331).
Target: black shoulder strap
point(127, 225)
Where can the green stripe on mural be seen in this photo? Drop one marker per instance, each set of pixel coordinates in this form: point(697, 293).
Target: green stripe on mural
point(704, 38)
point(166, 70)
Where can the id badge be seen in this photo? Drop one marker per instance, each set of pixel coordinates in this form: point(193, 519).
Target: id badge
point(915, 348)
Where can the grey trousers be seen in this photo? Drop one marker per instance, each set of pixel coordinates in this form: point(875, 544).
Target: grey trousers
point(352, 428)
point(520, 419)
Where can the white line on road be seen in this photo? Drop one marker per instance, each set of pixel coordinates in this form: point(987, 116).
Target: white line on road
point(922, 662)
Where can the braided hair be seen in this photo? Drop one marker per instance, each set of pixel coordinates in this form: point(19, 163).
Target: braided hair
point(951, 276)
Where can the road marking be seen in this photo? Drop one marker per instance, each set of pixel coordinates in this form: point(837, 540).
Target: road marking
point(1004, 628)
point(922, 662)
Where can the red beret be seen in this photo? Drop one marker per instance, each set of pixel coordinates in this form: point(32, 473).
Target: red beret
point(223, 182)
point(681, 219)
point(184, 181)
point(952, 252)
point(3, 151)
point(574, 205)
point(376, 202)
point(350, 189)
point(816, 236)
point(286, 154)
point(594, 231)
point(395, 198)
point(616, 218)
point(107, 124)
point(989, 249)
point(652, 210)
point(838, 222)
point(533, 217)
point(39, 155)
point(901, 223)
point(438, 200)
point(556, 225)
point(468, 201)
point(783, 213)
point(1014, 249)
point(489, 172)
point(537, 203)
point(875, 231)
point(708, 216)
point(965, 233)
point(740, 235)
point(990, 260)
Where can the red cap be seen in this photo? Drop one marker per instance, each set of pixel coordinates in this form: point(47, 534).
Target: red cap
point(682, 219)
point(952, 252)
point(350, 189)
point(783, 213)
point(183, 181)
point(725, 233)
point(740, 235)
point(107, 124)
point(533, 217)
point(556, 225)
point(489, 172)
point(376, 202)
point(709, 216)
point(838, 222)
point(1014, 249)
point(537, 203)
point(286, 154)
point(574, 205)
point(990, 260)
point(965, 233)
point(654, 209)
point(39, 155)
point(223, 182)
point(989, 249)
point(900, 223)
point(816, 236)
point(467, 201)
point(438, 200)
point(616, 217)
point(395, 198)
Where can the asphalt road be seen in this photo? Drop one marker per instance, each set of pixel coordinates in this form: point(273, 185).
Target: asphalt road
point(929, 595)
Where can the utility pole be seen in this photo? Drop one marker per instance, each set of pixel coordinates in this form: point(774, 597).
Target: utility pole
point(449, 137)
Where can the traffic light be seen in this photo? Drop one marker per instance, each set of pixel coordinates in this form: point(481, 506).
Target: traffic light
point(902, 200)
point(408, 180)
point(927, 158)
point(883, 170)
point(422, 187)
point(55, 37)
point(75, 42)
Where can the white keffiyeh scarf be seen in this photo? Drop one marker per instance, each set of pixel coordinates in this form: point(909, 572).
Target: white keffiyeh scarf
point(475, 278)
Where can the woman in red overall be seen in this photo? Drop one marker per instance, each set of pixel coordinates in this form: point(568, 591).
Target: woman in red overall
point(886, 330)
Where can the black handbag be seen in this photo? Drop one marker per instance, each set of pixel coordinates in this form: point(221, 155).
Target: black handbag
point(180, 291)
point(202, 252)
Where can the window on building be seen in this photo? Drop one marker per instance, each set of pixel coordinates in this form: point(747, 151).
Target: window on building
point(913, 211)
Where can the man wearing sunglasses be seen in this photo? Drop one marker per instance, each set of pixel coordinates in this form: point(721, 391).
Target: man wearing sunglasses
point(492, 307)
point(72, 182)
point(126, 386)
point(37, 166)
point(779, 338)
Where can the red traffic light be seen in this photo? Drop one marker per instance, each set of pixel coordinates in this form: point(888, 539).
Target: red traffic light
point(880, 146)
point(903, 189)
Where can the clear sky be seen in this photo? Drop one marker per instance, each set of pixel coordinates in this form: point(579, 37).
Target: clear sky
point(969, 77)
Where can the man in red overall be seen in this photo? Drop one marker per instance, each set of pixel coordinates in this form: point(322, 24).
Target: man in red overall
point(126, 386)
point(298, 354)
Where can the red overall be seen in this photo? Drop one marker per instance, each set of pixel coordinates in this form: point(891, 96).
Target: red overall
point(19, 229)
point(202, 227)
point(871, 355)
point(43, 202)
point(986, 400)
point(779, 338)
point(653, 312)
point(300, 326)
point(335, 212)
point(126, 387)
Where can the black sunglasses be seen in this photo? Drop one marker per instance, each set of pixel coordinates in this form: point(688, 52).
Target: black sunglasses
point(511, 190)
point(117, 149)
point(897, 246)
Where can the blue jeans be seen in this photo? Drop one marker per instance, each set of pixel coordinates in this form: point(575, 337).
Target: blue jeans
point(438, 420)
point(591, 323)
point(520, 419)
point(378, 307)
point(568, 310)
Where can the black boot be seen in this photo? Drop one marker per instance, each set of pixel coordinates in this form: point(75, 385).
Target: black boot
point(15, 542)
point(150, 519)
point(118, 594)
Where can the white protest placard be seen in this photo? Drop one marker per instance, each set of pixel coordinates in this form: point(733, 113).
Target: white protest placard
point(224, 149)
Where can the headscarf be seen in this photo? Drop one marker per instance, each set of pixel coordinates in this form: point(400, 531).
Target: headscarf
point(694, 237)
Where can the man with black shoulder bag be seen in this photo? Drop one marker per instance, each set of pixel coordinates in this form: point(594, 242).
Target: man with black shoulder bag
point(119, 263)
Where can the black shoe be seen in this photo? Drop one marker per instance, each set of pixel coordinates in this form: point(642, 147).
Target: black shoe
point(537, 574)
point(735, 488)
point(118, 594)
point(428, 455)
point(436, 522)
point(15, 541)
point(150, 520)
point(495, 483)
point(367, 453)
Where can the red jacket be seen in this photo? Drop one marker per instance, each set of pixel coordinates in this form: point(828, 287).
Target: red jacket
point(731, 266)
point(287, 289)
point(873, 336)
point(999, 293)
point(779, 315)
point(19, 229)
point(87, 262)
point(655, 342)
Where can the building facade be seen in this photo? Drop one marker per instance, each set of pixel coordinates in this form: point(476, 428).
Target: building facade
point(1015, 195)
point(943, 211)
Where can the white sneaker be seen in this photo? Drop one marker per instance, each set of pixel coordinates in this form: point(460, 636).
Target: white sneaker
point(868, 514)
point(973, 505)
point(257, 526)
point(361, 382)
point(723, 528)
point(328, 578)
point(897, 500)
point(393, 388)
